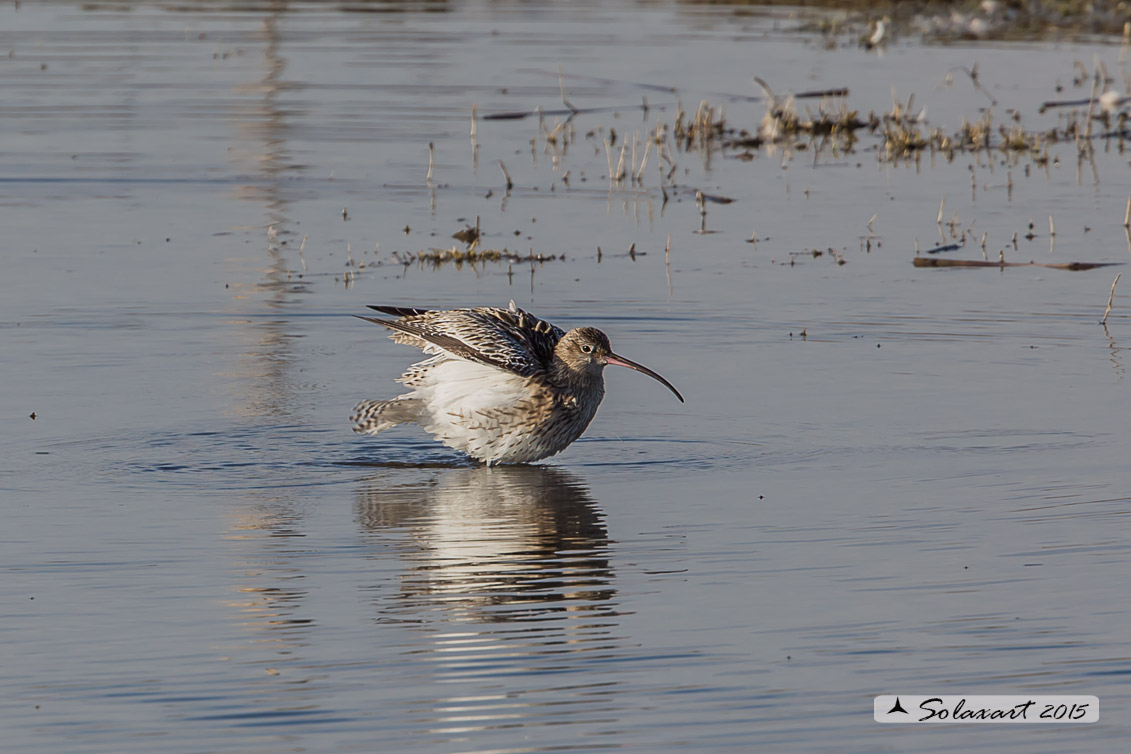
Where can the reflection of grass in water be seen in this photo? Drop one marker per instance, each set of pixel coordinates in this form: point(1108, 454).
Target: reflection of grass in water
point(953, 20)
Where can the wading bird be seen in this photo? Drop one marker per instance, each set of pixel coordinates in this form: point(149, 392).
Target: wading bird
point(500, 384)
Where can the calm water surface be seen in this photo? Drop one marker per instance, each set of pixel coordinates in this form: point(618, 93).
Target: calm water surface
point(885, 479)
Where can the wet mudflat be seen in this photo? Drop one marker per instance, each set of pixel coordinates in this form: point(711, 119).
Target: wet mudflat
point(886, 478)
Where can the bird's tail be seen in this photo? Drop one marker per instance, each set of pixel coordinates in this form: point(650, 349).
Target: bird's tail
point(371, 417)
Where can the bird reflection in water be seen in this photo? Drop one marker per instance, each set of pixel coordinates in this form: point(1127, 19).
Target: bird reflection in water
point(494, 545)
point(503, 590)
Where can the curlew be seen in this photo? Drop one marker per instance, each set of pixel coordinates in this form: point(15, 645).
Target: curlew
point(500, 385)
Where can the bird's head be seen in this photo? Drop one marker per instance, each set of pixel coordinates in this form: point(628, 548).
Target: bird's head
point(587, 350)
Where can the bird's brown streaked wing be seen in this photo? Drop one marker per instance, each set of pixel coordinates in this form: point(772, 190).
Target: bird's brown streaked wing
point(400, 311)
point(451, 344)
point(513, 337)
point(399, 336)
point(509, 339)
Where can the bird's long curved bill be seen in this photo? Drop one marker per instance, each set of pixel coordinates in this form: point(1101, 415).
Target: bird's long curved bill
point(621, 361)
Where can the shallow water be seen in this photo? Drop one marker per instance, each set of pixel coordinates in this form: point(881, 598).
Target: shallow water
point(885, 479)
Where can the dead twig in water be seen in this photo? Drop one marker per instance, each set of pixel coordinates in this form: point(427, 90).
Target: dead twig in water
point(977, 263)
point(474, 140)
point(1087, 143)
point(668, 266)
point(561, 86)
point(1110, 299)
point(972, 72)
point(469, 235)
point(821, 93)
point(510, 183)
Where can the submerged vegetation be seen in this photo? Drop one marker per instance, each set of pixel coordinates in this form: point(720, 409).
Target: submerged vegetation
point(471, 256)
point(642, 164)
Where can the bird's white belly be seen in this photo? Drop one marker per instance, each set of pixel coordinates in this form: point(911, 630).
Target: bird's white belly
point(491, 415)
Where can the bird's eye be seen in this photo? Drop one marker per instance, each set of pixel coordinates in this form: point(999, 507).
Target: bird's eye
point(587, 348)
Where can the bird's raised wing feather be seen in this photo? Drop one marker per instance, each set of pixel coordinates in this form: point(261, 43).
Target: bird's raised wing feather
point(509, 339)
point(400, 311)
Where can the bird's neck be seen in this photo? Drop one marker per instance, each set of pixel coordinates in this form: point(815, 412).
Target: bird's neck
point(579, 382)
